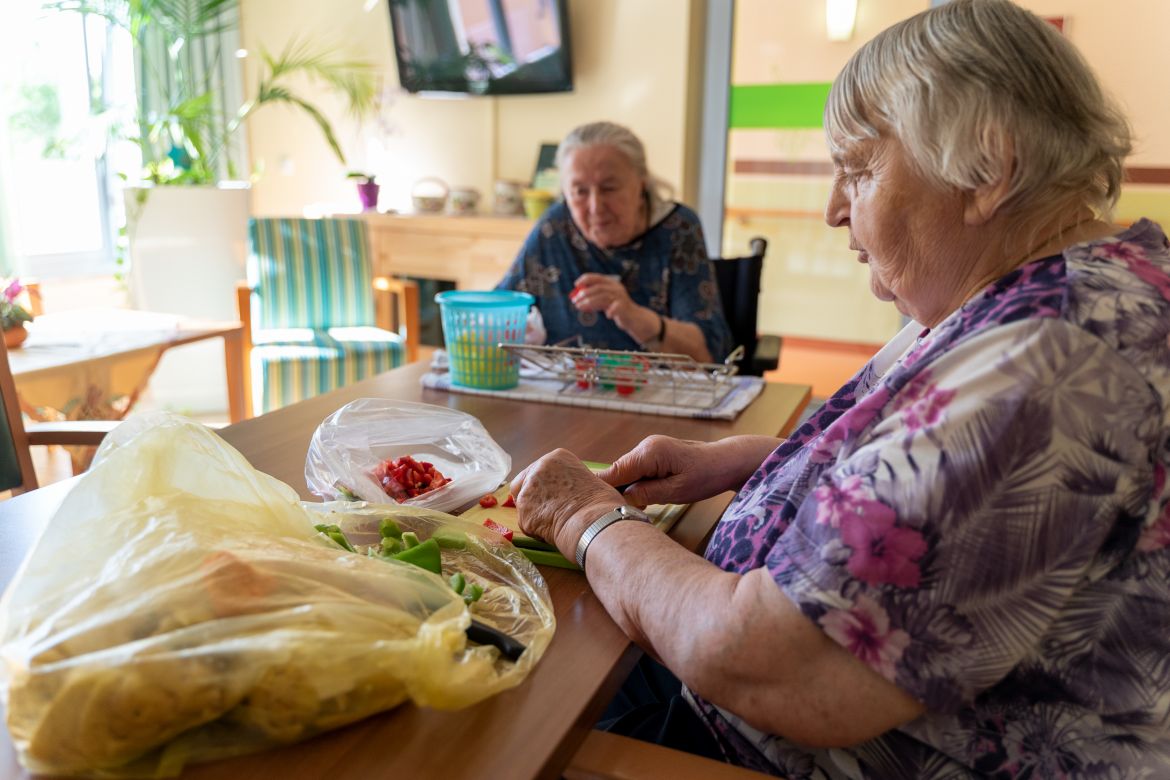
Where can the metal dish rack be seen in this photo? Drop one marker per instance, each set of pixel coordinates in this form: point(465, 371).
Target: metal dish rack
point(677, 380)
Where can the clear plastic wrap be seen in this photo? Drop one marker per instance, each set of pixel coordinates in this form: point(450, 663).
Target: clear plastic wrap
point(181, 606)
point(348, 446)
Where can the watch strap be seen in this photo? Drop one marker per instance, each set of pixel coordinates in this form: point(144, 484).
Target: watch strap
point(624, 512)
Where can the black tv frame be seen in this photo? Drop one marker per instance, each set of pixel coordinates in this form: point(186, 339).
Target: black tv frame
point(421, 84)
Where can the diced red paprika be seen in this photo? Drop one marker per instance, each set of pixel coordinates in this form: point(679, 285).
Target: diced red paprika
point(488, 501)
point(502, 530)
point(404, 478)
point(510, 501)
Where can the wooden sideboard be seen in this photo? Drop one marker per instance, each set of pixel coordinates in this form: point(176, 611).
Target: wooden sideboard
point(472, 251)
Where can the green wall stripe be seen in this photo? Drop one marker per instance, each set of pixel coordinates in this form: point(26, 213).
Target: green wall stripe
point(773, 106)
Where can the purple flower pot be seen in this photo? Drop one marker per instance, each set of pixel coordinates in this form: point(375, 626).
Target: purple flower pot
point(368, 193)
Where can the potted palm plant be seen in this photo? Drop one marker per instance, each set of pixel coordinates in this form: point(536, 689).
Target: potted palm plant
point(185, 139)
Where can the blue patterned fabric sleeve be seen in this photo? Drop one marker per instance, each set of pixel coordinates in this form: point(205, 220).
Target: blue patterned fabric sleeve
point(694, 295)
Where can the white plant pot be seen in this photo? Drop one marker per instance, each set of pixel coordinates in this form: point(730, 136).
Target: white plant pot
point(188, 247)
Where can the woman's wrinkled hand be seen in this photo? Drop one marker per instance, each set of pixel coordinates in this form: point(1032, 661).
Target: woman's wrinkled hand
point(666, 470)
point(600, 292)
point(557, 497)
point(607, 294)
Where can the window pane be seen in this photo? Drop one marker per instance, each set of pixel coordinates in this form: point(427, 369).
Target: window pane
point(56, 132)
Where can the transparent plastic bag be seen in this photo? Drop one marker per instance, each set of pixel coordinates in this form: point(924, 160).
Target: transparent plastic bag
point(181, 606)
point(350, 444)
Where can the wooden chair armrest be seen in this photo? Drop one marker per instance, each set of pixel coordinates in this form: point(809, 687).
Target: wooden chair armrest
point(71, 432)
point(396, 309)
point(605, 755)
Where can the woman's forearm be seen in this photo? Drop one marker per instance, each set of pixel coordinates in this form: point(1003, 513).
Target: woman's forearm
point(685, 338)
point(739, 642)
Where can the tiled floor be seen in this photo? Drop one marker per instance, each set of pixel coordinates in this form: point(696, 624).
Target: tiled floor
point(826, 365)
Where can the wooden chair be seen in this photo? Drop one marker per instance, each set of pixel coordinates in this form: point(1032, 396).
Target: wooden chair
point(739, 291)
point(314, 317)
point(16, 465)
point(605, 756)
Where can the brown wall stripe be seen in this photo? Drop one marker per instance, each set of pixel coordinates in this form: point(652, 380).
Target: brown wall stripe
point(1147, 175)
point(816, 168)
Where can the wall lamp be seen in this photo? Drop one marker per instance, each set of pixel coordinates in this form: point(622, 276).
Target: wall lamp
point(839, 18)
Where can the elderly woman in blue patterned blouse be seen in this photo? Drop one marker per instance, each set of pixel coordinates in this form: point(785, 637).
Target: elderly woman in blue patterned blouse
point(960, 566)
point(617, 264)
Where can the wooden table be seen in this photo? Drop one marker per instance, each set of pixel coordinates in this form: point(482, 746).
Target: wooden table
point(91, 356)
point(530, 731)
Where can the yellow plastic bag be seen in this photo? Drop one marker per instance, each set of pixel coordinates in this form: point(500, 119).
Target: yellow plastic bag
point(180, 607)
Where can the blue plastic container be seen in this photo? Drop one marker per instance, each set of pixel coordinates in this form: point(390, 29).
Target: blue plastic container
point(474, 322)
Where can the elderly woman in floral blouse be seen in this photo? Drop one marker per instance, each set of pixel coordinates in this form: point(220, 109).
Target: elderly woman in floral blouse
point(615, 262)
point(960, 565)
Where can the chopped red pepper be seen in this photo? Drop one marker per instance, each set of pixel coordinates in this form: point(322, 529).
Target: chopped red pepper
point(502, 530)
point(488, 501)
point(403, 478)
point(510, 501)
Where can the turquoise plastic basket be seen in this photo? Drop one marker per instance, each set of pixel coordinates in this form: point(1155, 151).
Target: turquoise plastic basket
point(473, 324)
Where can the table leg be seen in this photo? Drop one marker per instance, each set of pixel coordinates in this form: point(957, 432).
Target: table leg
point(233, 352)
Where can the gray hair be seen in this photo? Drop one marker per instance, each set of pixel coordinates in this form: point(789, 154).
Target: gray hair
point(974, 88)
point(629, 145)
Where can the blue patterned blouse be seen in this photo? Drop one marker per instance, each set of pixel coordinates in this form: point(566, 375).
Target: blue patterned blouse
point(985, 523)
point(666, 269)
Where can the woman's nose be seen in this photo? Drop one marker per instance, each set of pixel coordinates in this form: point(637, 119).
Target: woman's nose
point(837, 209)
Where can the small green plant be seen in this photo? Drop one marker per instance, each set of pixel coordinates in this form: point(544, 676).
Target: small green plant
point(361, 178)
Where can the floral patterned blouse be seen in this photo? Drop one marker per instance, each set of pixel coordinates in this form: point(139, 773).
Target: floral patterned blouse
point(665, 269)
point(984, 522)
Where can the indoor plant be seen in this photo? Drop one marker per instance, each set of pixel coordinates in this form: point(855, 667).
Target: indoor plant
point(186, 139)
point(13, 315)
point(367, 189)
point(186, 245)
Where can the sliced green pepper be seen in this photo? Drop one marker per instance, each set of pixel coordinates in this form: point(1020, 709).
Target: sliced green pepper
point(546, 558)
point(390, 546)
point(334, 533)
point(529, 543)
point(410, 539)
point(389, 528)
point(472, 594)
point(458, 582)
point(450, 539)
point(424, 555)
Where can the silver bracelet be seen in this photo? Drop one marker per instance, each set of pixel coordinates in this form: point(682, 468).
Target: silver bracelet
point(603, 522)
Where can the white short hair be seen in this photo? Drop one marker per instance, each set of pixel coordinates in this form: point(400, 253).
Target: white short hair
point(974, 88)
point(624, 141)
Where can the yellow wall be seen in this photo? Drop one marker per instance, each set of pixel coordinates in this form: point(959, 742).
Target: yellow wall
point(813, 285)
point(471, 141)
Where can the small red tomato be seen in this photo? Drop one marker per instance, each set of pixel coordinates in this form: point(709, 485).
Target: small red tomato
point(510, 501)
point(488, 501)
point(502, 530)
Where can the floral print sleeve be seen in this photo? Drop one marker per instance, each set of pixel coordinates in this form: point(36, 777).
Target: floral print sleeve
point(921, 551)
point(986, 524)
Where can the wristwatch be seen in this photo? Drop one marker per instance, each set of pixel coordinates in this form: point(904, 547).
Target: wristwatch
point(624, 512)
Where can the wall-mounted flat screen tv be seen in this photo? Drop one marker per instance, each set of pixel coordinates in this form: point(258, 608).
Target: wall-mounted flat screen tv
point(482, 47)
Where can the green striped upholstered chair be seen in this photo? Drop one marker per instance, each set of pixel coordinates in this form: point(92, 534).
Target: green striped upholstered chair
point(310, 310)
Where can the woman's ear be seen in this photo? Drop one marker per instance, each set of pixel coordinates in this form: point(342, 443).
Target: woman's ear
point(984, 201)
